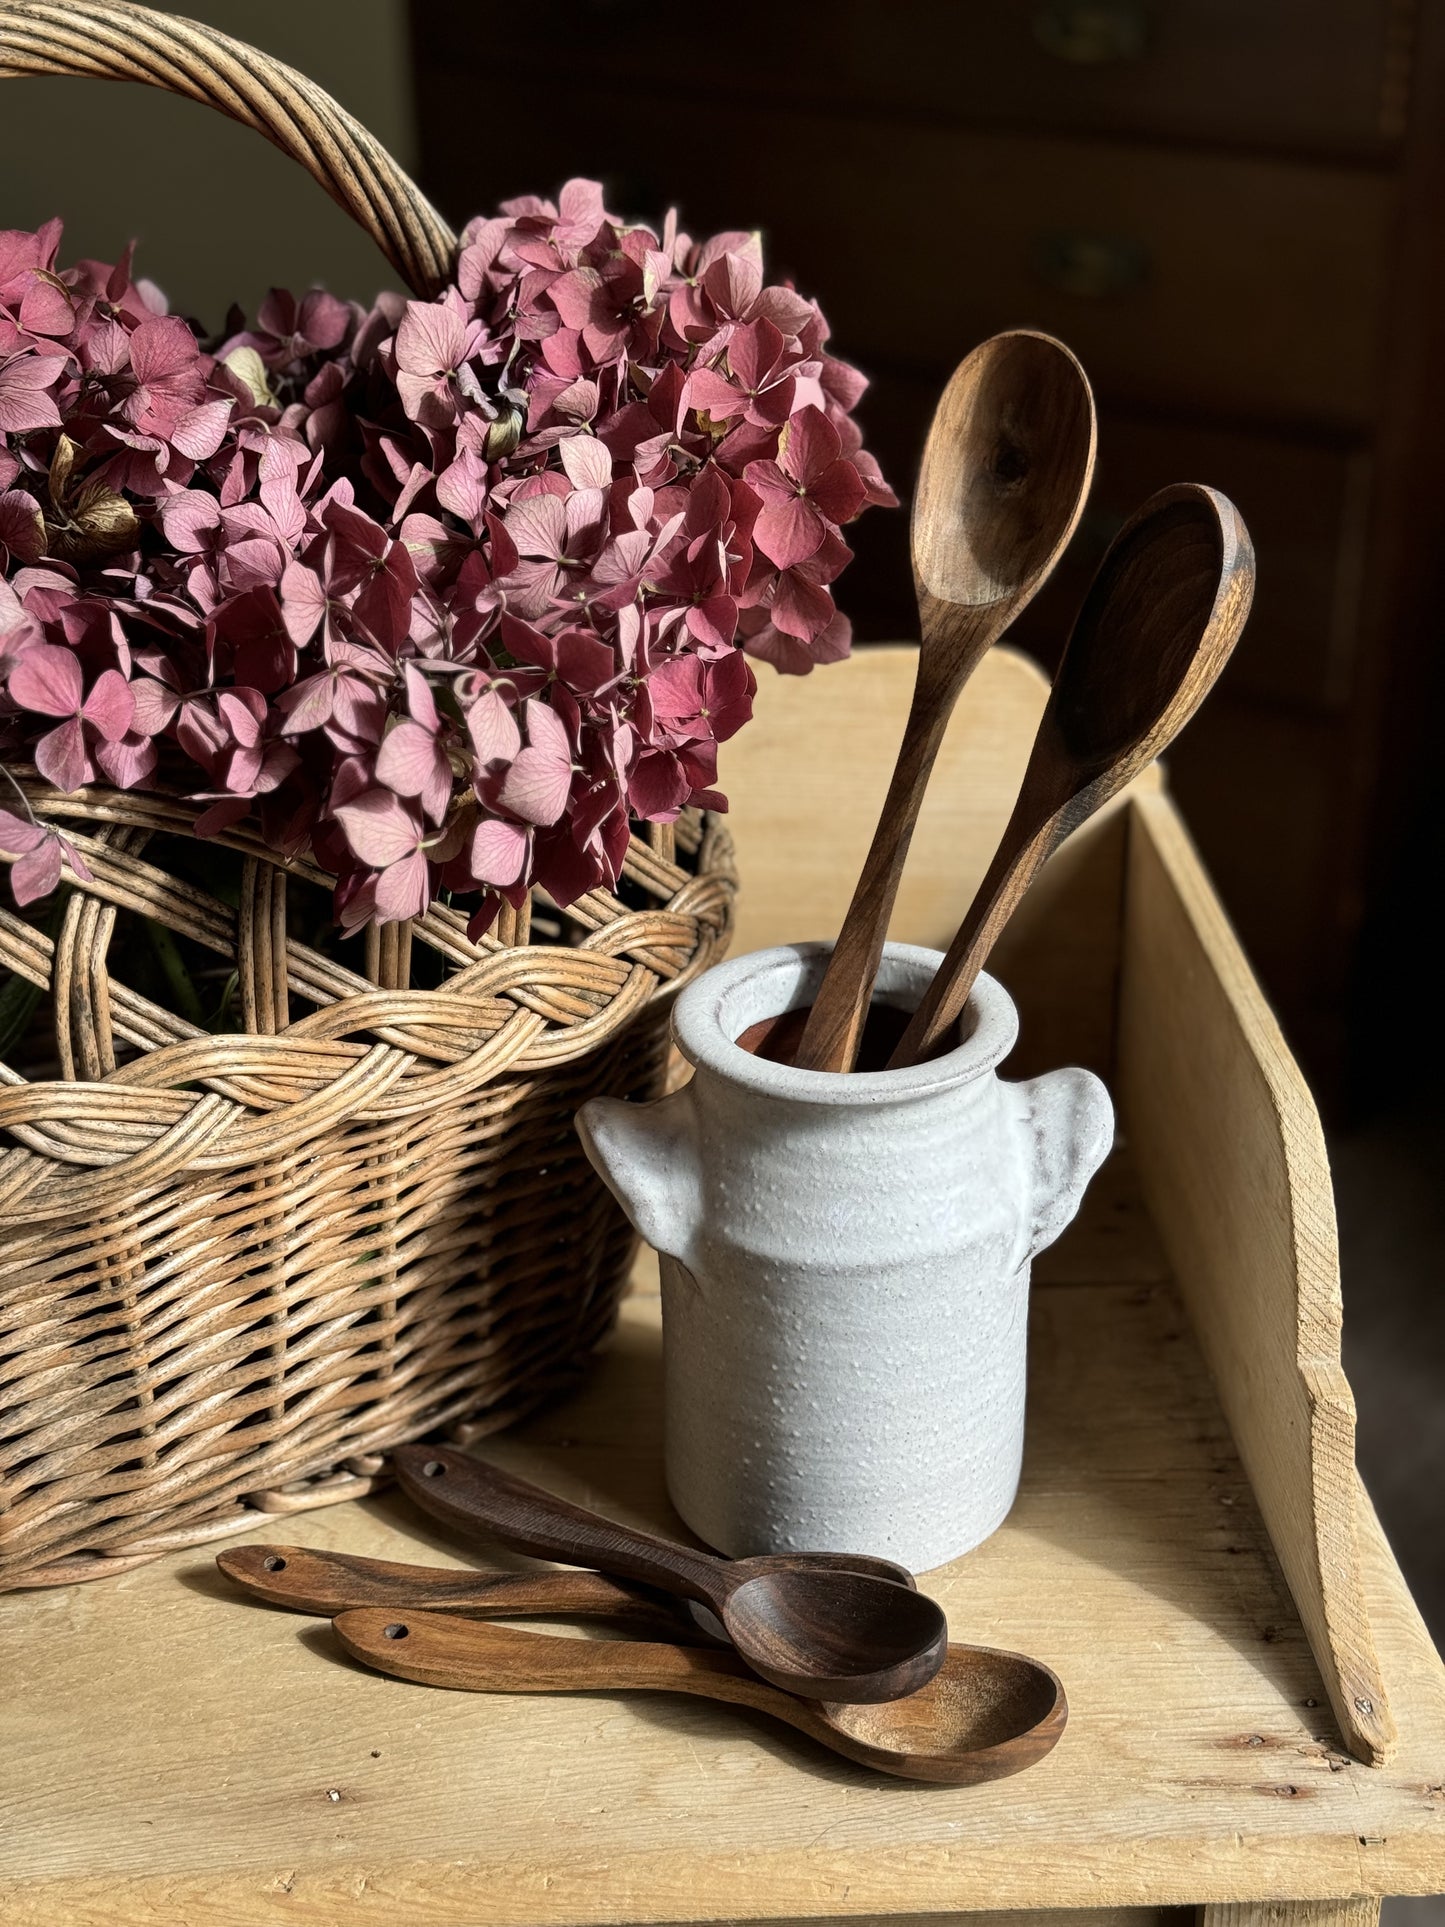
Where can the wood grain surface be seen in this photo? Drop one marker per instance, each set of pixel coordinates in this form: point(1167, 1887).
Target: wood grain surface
point(173, 1752)
point(1239, 1180)
point(1362, 1911)
point(326, 1583)
point(323, 1584)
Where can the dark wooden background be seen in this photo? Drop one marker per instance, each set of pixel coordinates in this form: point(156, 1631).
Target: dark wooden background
point(1231, 209)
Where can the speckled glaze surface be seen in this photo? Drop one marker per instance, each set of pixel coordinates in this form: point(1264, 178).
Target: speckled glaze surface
point(845, 1266)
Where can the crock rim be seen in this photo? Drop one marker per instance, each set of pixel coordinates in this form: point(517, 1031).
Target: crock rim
point(711, 1013)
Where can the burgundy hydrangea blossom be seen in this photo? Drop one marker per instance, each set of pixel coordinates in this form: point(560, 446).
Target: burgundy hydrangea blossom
point(447, 591)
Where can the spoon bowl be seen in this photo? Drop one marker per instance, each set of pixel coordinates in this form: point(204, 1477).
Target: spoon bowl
point(1134, 669)
point(833, 1634)
point(981, 1702)
point(984, 1715)
point(1004, 475)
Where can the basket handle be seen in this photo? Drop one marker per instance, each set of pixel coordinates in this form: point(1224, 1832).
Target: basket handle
point(112, 40)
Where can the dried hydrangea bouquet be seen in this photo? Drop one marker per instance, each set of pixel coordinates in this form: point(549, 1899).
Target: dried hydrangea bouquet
point(448, 590)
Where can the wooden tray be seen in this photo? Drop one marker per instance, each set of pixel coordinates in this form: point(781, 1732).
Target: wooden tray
point(1190, 1548)
point(1122, 960)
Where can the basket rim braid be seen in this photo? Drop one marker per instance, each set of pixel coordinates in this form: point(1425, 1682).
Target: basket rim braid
point(204, 1101)
point(235, 1268)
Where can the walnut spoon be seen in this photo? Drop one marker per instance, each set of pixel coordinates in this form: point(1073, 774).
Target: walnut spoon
point(985, 1715)
point(828, 1634)
point(1157, 626)
point(310, 1580)
point(1005, 475)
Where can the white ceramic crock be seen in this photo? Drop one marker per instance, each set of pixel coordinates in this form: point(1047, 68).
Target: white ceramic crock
point(845, 1266)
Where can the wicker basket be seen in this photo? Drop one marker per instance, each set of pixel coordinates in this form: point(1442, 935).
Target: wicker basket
point(235, 1269)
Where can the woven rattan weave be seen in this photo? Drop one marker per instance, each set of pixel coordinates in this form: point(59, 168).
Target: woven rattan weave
point(235, 1268)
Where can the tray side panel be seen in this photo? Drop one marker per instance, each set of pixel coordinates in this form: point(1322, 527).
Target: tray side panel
point(1232, 1160)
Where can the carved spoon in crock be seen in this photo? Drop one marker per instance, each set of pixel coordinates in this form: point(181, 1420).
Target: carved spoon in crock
point(1157, 626)
point(1005, 476)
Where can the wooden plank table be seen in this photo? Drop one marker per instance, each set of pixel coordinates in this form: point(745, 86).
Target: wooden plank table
point(169, 1751)
point(172, 1753)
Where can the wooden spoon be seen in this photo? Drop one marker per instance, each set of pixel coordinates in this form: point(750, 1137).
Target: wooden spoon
point(327, 1583)
point(832, 1634)
point(986, 1714)
point(1005, 475)
point(310, 1581)
point(1156, 627)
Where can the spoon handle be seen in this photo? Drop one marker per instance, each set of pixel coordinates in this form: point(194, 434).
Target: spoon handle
point(439, 1650)
point(473, 1496)
point(311, 1581)
point(1016, 863)
point(834, 1028)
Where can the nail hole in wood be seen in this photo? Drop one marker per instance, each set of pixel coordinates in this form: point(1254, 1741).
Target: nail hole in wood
point(395, 1631)
point(433, 1469)
point(275, 1563)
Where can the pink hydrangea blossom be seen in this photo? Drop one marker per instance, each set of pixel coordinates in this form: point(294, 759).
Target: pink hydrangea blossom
point(35, 853)
point(49, 682)
point(449, 589)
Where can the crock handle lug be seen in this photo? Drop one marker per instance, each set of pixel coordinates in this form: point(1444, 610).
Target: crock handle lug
point(1071, 1128)
point(646, 1155)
